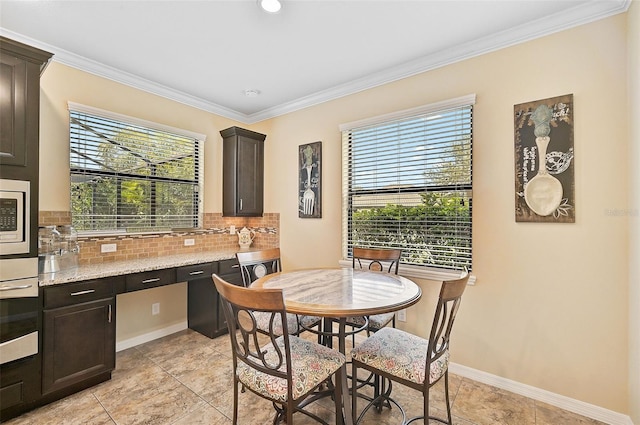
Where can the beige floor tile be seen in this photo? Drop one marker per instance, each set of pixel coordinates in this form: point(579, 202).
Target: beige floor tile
point(551, 415)
point(186, 379)
point(486, 405)
point(79, 409)
point(204, 415)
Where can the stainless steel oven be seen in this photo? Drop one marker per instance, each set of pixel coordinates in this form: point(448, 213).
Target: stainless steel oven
point(20, 324)
point(19, 309)
point(14, 216)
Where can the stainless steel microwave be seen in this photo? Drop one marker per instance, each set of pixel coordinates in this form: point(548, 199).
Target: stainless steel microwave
point(14, 216)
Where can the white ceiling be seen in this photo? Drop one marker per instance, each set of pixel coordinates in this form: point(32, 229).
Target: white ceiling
point(207, 53)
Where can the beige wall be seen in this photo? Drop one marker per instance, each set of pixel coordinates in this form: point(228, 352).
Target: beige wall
point(536, 313)
point(634, 206)
point(550, 308)
point(61, 84)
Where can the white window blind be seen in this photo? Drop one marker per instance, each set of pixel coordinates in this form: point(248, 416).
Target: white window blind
point(407, 183)
point(128, 175)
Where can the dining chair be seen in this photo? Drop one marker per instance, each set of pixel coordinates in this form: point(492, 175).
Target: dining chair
point(256, 264)
point(282, 368)
point(377, 259)
point(409, 359)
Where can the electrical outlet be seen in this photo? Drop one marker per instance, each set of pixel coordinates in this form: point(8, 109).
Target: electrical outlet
point(189, 242)
point(402, 315)
point(155, 308)
point(232, 230)
point(108, 247)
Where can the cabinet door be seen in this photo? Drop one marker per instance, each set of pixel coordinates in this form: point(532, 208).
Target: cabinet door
point(250, 177)
point(242, 176)
point(13, 110)
point(204, 311)
point(20, 67)
point(79, 343)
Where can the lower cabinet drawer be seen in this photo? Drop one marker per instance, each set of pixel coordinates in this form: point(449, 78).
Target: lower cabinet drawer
point(75, 293)
point(150, 279)
point(198, 271)
point(229, 266)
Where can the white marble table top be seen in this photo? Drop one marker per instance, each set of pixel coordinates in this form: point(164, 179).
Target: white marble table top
point(342, 292)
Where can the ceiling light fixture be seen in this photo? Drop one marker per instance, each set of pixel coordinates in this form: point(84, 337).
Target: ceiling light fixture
point(251, 92)
point(271, 6)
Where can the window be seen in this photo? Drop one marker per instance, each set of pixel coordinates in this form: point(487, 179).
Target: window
point(129, 175)
point(407, 183)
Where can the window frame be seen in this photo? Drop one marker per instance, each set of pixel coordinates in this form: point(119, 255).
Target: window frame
point(128, 120)
point(410, 270)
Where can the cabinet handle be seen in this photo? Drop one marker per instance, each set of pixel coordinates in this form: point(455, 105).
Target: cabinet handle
point(155, 279)
point(13, 288)
point(235, 266)
point(88, 291)
point(240, 204)
point(196, 272)
point(109, 313)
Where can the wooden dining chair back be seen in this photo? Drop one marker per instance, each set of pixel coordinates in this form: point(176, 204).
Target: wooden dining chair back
point(424, 361)
point(256, 264)
point(378, 259)
point(283, 368)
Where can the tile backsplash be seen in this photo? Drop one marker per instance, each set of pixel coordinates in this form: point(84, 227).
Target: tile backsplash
point(214, 236)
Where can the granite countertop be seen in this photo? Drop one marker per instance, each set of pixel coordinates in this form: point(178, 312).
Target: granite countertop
point(116, 268)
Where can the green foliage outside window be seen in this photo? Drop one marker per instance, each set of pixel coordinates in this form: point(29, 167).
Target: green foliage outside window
point(125, 177)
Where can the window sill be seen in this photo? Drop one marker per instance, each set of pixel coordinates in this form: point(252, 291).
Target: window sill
point(422, 272)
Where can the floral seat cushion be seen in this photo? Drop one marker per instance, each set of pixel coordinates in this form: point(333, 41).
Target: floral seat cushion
point(311, 364)
point(376, 321)
point(400, 354)
point(263, 318)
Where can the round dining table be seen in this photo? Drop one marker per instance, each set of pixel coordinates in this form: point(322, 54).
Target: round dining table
point(342, 292)
point(339, 293)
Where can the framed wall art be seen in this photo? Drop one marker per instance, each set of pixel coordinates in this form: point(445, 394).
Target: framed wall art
point(544, 169)
point(310, 180)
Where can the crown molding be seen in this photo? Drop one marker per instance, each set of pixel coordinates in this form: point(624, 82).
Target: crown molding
point(574, 17)
point(93, 67)
point(578, 15)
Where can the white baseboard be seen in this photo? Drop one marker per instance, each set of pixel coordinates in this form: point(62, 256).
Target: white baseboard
point(566, 403)
point(141, 339)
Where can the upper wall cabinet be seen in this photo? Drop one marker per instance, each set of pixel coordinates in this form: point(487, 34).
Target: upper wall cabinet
point(243, 169)
point(20, 67)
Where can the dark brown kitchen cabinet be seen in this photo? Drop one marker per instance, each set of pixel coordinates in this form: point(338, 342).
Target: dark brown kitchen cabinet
point(19, 386)
point(20, 67)
point(205, 314)
point(79, 323)
point(243, 169)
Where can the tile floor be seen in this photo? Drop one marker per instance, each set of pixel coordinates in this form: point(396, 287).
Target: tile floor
point(185, 379)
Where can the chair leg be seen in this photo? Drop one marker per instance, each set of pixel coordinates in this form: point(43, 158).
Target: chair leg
point(235, 402)
point(338, 397)
point(446, 395)
point(290, 410)
point(354, 392)
point(425, 398)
